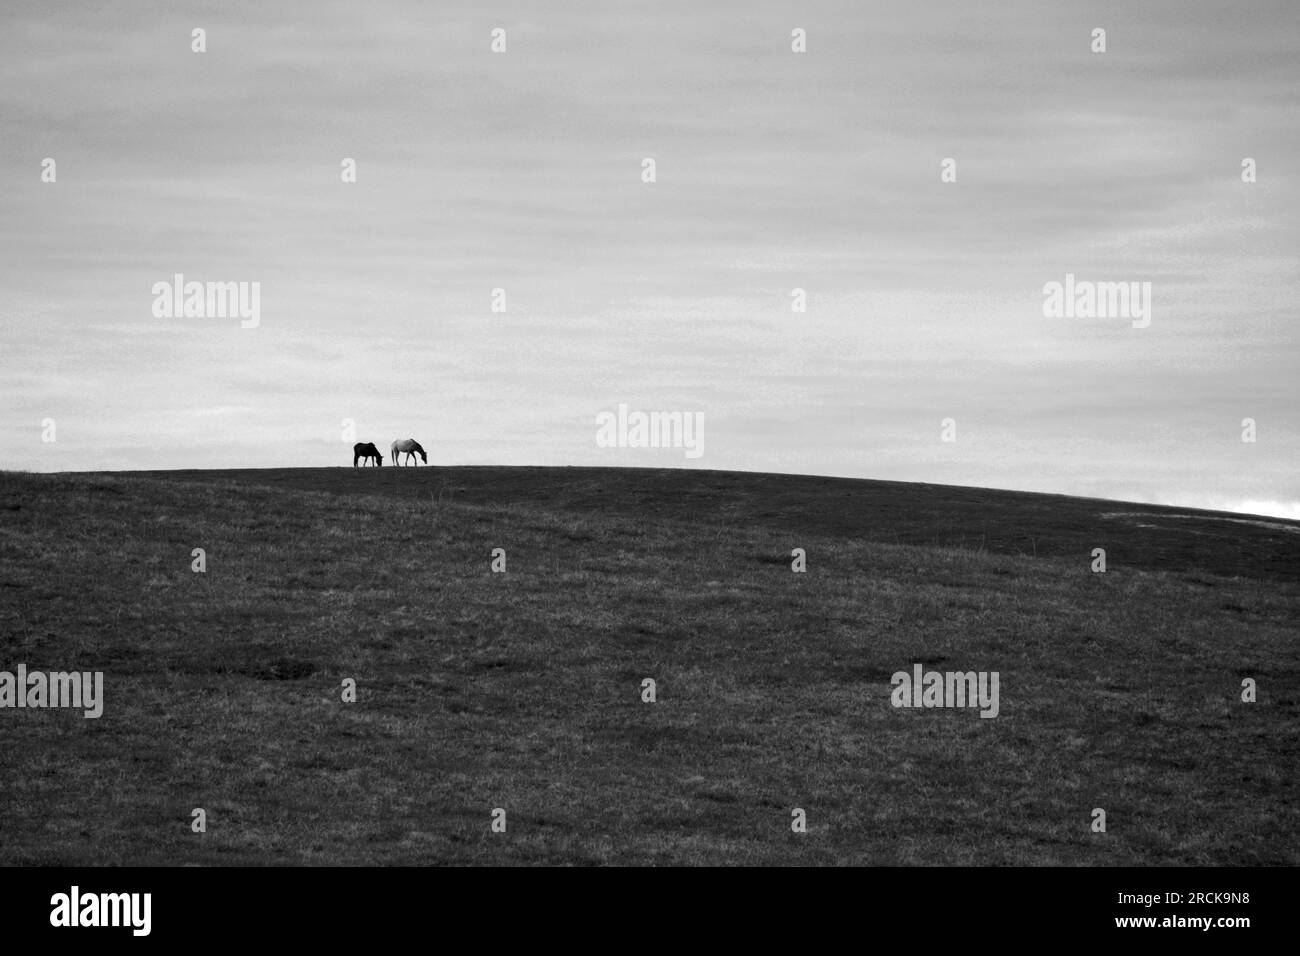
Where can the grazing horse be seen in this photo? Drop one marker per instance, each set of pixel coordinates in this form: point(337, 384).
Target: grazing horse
point(410, 447)
point(368, 451)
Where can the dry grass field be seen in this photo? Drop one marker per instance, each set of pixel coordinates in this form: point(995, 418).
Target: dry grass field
point(523, 690)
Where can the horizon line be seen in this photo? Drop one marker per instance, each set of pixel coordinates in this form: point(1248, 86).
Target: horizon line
point(1225, 511)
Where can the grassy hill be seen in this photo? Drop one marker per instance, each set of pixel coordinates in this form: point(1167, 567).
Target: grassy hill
point(522, 689)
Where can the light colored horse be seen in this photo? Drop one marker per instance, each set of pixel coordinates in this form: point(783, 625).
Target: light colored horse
point(367, 451)
point(409, 447)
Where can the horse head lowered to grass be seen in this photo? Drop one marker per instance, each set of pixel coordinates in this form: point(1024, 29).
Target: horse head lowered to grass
point(367, 451)
point(409, 447)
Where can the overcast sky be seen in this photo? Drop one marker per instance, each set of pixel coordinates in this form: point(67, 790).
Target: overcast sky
point(775, 170)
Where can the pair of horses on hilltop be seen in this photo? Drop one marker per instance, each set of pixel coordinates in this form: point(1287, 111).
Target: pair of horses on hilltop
point(368, 452)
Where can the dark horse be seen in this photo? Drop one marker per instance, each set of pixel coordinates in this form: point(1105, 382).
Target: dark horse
point(409, 447)
point(367, 451)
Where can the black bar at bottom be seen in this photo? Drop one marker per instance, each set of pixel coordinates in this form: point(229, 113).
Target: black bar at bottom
point(657, 907)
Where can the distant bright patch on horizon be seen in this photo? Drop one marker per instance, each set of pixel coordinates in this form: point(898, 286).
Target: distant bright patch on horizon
point(946, 243)
point(1289, 510)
